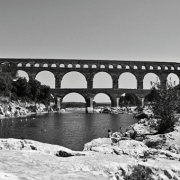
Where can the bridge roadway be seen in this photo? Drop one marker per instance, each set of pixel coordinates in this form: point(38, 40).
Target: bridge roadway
point(89, 94)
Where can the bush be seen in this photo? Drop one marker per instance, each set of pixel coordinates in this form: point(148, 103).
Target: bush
point(166, 100)
point(140, 173)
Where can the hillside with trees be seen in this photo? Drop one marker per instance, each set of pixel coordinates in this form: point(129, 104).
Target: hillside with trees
point(21, 89)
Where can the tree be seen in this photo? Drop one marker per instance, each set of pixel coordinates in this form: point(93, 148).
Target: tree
point(21, 88)
point(5, 84)
point(35, 88)
point(129, 99)
point(44, 95)
point(166, 100)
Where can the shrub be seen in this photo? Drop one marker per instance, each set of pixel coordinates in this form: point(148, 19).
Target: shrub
point(140, 173)
point(165, 102)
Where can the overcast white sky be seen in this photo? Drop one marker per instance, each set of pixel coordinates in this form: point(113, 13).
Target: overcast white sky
point(145, 30)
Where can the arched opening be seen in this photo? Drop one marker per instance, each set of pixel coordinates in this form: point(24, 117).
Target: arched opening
point(135, 67)
point(143, 67)
point(151, 67)
point(101, 99)
point(102, 66)
point(172, 68)
point(73, 100)
point(150, 80)
point(119, 67)
point(166, 68)
point(94, 66)
point(127, 80)
point(74, 80)
point(46, 78)
point(173, 79)
point(28, 65)
point(86, 66)
point(111, 67)
point(69, 66)
point(36, 65)
point(53, 65)
point(22, 74)
point(102, 80)
point(77, 66)
point(19, 65)
point(45, 65)
point(127, 100)
point(127, 67)
point(62, 66)
point(159, 68)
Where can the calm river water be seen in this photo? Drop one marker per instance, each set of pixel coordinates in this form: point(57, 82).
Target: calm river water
point(71, 130)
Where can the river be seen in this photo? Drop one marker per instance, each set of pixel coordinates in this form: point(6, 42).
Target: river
point(71, 130)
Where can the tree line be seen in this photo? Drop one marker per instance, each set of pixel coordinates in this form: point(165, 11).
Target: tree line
point(20, 88)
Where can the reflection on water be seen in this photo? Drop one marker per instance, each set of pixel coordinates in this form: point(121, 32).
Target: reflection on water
point(70, 130)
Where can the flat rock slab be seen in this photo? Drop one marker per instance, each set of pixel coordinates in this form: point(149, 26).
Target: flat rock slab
point(16, 165)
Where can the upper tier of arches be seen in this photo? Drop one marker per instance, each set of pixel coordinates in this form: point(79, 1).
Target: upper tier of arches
point(110, 65)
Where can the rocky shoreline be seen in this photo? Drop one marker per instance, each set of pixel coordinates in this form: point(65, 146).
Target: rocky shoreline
point(19, 108)
point(147, 156)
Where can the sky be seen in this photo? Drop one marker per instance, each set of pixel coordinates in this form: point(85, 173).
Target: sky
point(144, 30)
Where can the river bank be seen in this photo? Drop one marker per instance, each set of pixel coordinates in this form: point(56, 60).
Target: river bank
point(21, 109)
point(145, 156)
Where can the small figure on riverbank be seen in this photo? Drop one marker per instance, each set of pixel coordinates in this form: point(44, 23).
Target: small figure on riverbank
point(120, 130)
point(115, 138)
point(109, 133)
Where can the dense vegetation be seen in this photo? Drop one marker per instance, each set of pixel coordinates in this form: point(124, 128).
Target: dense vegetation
point(31, 90)
point(165, 105)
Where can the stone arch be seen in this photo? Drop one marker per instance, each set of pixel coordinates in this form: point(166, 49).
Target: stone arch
point(127, 67)
point(94, 66)
point(45, 65)
point(111, 66)
point(19, 65)
point(23, 74)
point(36, 65)
point(69, 65)
point(127, 80)
point(159, 68)
point(53, 65)
point(74, 79)
point(61, 65)
point(173, 79)
point(78, 66)
point(102, 66)
point(85, 66)
point(149, 80)
point(143, 67)
point(102, 80)
point(28, 65)
point(72, 98)
point(102, 99)
point(135, 67)
point(46, 78)
point(151, 67)
point(119, 67)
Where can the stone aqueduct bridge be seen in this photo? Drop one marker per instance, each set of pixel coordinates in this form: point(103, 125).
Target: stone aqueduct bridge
point(59, 67)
